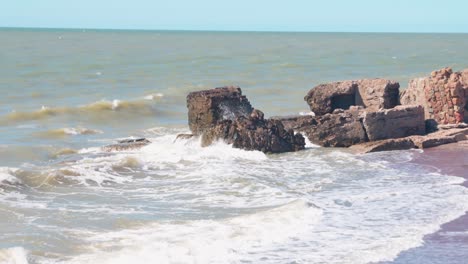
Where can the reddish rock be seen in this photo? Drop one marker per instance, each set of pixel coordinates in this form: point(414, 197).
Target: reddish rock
point(464, 81)
point(442, 95)
point(372, 94)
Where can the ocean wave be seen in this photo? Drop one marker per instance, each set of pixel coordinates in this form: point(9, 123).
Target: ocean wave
point(221, 204)
point(154, 96)
point(15, 255)
point(63, 132)
point(137, 107)
point(7, 175)
point(164, 153)
point(288, 65)
point(63, 152)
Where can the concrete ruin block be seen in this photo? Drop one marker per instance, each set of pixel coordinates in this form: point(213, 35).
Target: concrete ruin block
point(373, 94)
point(398, 122)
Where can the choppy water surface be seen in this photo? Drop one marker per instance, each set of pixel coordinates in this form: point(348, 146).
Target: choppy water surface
point(66, 93)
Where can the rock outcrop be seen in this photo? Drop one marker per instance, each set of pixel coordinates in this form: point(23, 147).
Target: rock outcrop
point(207, 108)
point(127, 144)
point(442, 95)
point(366, 113)
point(398, 122)
point(339, 129)
point(296, 123)
point(266, 135)
point(373, 94)
point(225, 114)
point(464, 80)
point(438, 138)
point(344, 128)
point(384, 145)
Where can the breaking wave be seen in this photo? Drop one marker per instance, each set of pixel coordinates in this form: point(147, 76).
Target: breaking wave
point(251, 238)
point(178, 202)
point(138, 107)
point(63, 132)
point(15, 255)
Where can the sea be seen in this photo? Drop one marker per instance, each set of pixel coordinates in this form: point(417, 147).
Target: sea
point(66, 93)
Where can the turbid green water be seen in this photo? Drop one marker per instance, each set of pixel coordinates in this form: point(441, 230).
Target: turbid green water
point(65, 93)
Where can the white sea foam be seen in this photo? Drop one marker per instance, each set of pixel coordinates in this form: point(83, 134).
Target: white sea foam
point(80, 131)
point(308, 143)
point(254, 237)
point(154, 96)
point(6, 174)
point(229, 199)
point(310, 113)
point(15, 255)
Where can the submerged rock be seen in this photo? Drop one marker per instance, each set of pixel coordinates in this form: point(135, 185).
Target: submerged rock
point(384, 145)
point(225, 114)
point(127, 144)
point(373, 94)
point(431, 140)
point(183, 136)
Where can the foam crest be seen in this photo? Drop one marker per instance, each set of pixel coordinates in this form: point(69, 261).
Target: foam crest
point(169, 149)
point(7, 175)
point(154, 96)
point(15, 255)
point(64, 132)
point(207, 241)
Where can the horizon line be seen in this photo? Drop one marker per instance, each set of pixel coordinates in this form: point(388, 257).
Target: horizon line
point(225, 30)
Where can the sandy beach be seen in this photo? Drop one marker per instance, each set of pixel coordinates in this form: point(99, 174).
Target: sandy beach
point(450, 243)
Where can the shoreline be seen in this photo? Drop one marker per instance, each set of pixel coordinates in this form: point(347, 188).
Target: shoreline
point(450, 243)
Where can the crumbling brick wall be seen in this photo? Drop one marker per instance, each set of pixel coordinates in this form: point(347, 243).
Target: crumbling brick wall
point(443, 98)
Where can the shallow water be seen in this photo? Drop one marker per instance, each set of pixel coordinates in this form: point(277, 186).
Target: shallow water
point(67, 93)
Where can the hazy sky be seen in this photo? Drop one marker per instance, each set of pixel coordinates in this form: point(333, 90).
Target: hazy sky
point(255, 15)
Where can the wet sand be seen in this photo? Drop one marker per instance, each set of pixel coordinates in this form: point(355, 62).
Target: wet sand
point(449, 245)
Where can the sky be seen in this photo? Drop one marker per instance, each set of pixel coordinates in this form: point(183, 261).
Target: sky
point(241, 15)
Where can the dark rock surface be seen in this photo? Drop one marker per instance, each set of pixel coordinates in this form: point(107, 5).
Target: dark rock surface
point(183, 136)
point(431, 140)
point(127, 144)
point(297, 123)
point(373, 94)
point(325, 98)
point(268, 135)
point(225, 114)
point(342, 129)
